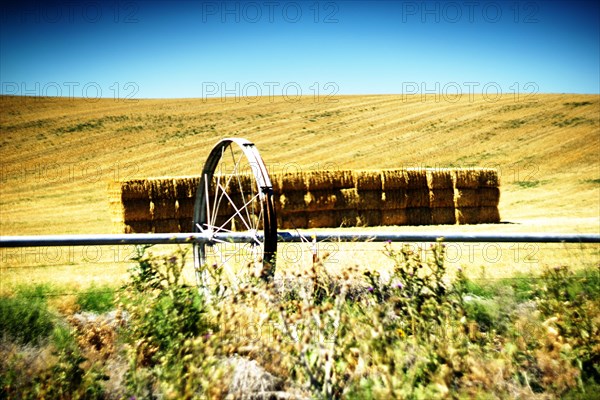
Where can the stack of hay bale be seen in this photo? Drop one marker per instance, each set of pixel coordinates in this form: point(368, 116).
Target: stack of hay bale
point(325, 199)
point(476, 196)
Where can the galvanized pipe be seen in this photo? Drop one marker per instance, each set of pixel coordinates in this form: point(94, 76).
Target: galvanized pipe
point(291, 236)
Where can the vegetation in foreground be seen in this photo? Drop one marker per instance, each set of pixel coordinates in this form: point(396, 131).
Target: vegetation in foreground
point(416, 334)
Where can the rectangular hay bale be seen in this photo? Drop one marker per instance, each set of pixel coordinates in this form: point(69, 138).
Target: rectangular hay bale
point(322, 219)
point(482, 197)
point(329, 180)
point(417, 198)
point(394, 199)
point(321, 200)
point(298, 220)
point(418, 216)
point(441, 198)
point(439, 179)
point(477, 215)
point(163, 209)
point(443, 216)
point(394, 217)
point(368, 180)
point(166, 226)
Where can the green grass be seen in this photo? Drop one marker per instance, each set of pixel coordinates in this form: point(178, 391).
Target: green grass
point(97, 299)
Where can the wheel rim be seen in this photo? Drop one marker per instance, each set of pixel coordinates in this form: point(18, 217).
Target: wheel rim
point(235, 194)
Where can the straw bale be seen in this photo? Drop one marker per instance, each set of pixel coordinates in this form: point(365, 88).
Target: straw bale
point(369, 218)
point(418, 216)
point(161, 188)
point(441, 198)
point(239, 184)
point(292, 182)
point(135, 189)
point(417, 178)
point(186, 187)
point(394, 199)
point(166, 226)
point(443, 216)
point(163, 209)
point(417, 198)
point(347, 218)
point(394, 179)
point(293, 221)
point(136, 210)
point(368, 180)
point(184, 208)
point(138, 227)
point(321, 200)
point(322, 219)
point(477, 215)
point(328, 180)
point(466, 178)
point(186, 225)
point(347, 199)
point(369, 200)
point(488, 178)
point(394, 217)
point(439, 179)
point(482, 197)
point(290, 202)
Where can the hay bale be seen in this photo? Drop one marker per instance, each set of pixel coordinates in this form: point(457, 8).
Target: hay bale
point(322, 219)
point(441, 198)
point(291, 182)
point(135, 210)
point(369, 200)
point(482, 197)
point(443, 216)
point(417, 198)
point(394, 217)
point(394, 199)
point(394, 179)
point(298, 220)
point(293, 201)
point(347, 199)
point(466, 178)
point(347, 218)
point(477, 215)
point(368, 180)
point(320, 200)
point(184, 208)
point(186, 187)
point(166, 226)
point(439, 179)
point(135, 189)
point(418, 216)
point(138, 227)
point(417, 178)
point(163, 209)
point(186, 225)
point(369, 218)
point(328, 180)
point(488, 178)
point(161, 188)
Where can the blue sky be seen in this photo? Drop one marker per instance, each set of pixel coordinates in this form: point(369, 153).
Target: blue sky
point(154, 49)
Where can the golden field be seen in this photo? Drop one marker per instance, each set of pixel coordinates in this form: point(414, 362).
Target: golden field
point(58, 155)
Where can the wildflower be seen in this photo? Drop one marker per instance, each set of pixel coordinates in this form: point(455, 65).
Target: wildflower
point(370, 289)
point(400, 286)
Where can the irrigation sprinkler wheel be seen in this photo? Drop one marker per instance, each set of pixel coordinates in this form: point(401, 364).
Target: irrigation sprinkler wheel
point(235, 194)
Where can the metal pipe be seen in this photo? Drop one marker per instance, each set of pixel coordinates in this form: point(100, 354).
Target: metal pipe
point(291, 236)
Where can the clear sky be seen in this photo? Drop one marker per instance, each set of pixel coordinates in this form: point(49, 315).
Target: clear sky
point(155, 49)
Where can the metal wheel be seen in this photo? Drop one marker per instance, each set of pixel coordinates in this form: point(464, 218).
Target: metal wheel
point(235, 194)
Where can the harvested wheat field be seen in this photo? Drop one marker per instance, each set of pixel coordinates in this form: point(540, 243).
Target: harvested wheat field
point(58, 156)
